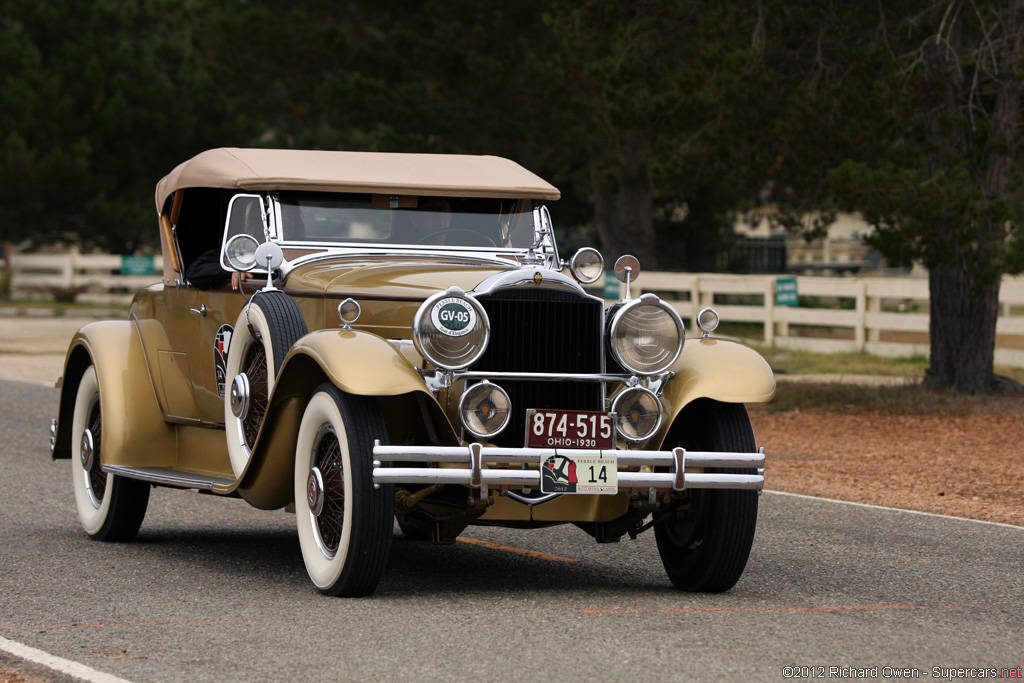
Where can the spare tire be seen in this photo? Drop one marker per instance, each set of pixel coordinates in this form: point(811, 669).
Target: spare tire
point(265, 331)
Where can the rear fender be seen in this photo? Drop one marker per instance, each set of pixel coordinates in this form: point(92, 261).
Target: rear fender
point(359, 363)
point(718, 369)
point(137, 435)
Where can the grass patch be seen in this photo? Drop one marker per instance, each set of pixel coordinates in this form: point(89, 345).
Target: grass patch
point(790, 362)
point(912, 399)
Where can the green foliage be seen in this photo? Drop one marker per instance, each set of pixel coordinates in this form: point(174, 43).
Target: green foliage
point(662, 122)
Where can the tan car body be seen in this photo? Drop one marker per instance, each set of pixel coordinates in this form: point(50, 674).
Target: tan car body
point(170, 403)
point(164, 421)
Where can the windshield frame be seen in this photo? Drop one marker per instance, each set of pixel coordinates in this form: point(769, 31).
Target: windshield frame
point(523, 212)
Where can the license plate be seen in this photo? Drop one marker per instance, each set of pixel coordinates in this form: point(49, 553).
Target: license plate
point(570, 429)
point(576, 473)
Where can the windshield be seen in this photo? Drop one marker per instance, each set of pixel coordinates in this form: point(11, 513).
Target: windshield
point(405, 221)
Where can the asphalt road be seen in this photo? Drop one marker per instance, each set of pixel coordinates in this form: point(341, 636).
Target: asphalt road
point(215, 591)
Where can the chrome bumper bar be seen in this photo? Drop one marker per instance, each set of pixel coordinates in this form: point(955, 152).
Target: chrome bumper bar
point(477, 470)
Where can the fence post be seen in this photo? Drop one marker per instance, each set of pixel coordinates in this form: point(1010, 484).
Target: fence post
point(769, 305)
point(874, 305)
point(860, 331)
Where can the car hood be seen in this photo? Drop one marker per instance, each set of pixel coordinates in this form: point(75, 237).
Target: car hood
point(414, 278)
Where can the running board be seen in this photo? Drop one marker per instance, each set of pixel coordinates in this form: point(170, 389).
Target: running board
point(168, 476)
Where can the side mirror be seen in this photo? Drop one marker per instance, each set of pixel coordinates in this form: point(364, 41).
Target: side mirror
point(627, 269)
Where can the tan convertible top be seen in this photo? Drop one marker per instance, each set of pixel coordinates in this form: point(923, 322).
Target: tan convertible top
point(455, 175)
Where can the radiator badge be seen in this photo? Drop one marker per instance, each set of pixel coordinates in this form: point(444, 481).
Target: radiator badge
point(538, 278)
point(453, 317)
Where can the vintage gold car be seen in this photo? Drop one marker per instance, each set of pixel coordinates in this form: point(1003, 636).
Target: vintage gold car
point(364, 337)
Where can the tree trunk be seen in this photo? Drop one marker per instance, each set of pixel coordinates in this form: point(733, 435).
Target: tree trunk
point(624, 205)
point(963, 332)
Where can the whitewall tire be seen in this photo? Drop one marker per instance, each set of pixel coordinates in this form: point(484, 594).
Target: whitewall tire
point(110, 508)
point(344, 523)
point(264, 332)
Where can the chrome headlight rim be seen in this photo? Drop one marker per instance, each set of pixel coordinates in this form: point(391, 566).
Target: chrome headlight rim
point(424, 316)
point(468, 395)
point(616, 408)
point(616, 319)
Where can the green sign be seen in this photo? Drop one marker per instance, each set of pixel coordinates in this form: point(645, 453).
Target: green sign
point(785, 292)
point(611, 286)
point(137, 265)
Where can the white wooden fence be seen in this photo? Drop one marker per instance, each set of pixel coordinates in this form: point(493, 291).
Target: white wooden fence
point(885, 316)
point(93, 278)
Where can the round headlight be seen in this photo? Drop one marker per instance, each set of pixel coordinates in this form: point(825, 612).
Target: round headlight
point(485, 409)
point(241, 252)
point(451, 329)
point(637, 413)
point(586, 265)
point(646, 335)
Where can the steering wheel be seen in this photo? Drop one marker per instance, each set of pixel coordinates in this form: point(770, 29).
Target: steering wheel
point(479, 237)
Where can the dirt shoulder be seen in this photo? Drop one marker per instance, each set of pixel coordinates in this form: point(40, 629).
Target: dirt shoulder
point(967, 466)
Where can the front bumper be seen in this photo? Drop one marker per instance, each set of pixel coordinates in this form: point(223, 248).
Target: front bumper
point(486, 467)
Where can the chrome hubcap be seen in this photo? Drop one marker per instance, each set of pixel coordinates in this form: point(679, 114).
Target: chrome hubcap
point(88, 451)
point(240, 396)
point(315, 491)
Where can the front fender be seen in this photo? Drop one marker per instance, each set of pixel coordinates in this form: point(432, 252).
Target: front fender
point(135, 433)
point(718, 369)
point(357, 362)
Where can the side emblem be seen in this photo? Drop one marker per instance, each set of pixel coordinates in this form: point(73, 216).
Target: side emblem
point(221, 342)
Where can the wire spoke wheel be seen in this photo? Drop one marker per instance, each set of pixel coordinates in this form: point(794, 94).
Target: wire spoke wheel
point(96, 478)
point(111, 508)
point(330, 523)
point(255, 367)
point(344, 522)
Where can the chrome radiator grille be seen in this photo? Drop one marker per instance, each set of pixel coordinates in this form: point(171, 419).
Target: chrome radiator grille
point(543, 330)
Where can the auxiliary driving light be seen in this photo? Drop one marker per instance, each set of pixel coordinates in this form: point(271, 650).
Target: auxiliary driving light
point(638, 413)
point(484, 409)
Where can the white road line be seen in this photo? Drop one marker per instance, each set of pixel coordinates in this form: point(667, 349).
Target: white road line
point(889, 509)
point(64, 666)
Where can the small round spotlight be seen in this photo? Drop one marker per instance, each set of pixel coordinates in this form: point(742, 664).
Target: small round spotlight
point(707, 321)
point(638, 413)
point(484, 409)
point(349, 311)
point(241, 252)
point(586, 265)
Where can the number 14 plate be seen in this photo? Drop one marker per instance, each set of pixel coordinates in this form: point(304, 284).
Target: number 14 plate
point(565, 469)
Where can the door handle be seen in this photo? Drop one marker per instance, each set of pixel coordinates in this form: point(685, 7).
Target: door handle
point(199, 311)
